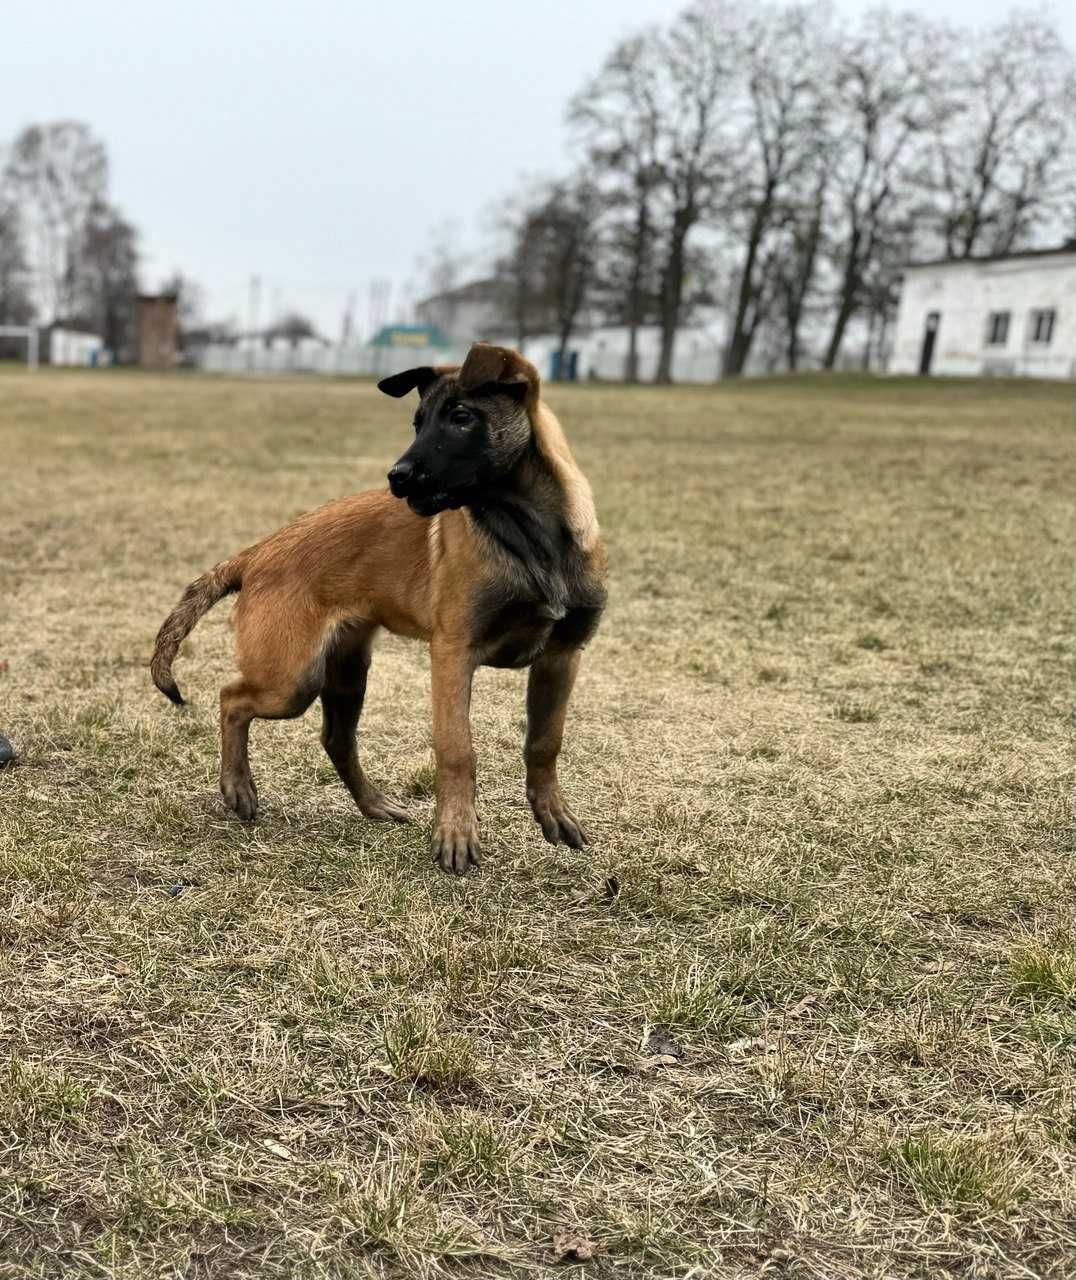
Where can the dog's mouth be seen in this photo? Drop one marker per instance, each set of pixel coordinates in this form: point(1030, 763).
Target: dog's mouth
point(429, 504)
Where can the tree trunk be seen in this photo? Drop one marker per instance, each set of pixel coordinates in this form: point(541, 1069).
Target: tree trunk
point(672, 291)
point(635, 291)
point(792, 325)
point(739, 344)
point(847, 304)
point(562, 353)
point(521, 320)
point(631, 364)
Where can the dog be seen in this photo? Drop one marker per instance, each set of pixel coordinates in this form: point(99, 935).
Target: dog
point(485, 545)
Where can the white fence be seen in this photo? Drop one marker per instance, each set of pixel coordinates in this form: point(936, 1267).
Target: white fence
point(606, 366)
point(343, 360)
point(687, 366)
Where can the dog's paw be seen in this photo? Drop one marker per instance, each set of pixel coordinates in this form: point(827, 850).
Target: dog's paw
point(455, 847)
point(559, 825)
point(241, 797)
point(379, 808)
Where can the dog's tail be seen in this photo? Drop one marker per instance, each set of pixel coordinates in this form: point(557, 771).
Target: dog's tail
point(202, 594)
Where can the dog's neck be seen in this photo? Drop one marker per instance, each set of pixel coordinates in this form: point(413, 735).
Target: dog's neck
point(524, 517)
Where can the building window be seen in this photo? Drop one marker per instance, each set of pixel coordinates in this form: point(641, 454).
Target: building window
point(1042, 327)
point(997, 329)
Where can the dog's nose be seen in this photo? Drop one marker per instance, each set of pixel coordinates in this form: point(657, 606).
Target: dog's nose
point(400, 474)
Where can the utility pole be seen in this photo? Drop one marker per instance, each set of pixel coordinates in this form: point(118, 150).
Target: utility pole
point(349, 319)
point(380, 292)
point(253, 306)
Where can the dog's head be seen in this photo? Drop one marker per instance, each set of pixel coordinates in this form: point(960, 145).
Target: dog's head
point(472, 425)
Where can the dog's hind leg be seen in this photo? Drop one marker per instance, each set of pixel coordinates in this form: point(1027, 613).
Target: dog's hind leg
point(283, 672)
point(236, 783)
point(342, 697)
point(240, 703)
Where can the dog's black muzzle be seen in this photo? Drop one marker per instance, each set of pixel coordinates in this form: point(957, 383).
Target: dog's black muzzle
point(423, 496)
point(401, 478)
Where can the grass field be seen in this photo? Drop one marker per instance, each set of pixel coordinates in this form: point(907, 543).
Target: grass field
point(807, 1006)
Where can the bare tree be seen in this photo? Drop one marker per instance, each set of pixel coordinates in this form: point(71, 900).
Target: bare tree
point(54, 175)
point(568, 223)
point(190, 300)
point(519, 270)
point(16, 305)
point(293, 326)
point(885, 83)
point(549, 270)
point(105, 280)
point(799, 248)
point(1001, 162)
point(618, 119)
point(696, 73)
point(439, 273)
point(441, 267)
point(782, 133)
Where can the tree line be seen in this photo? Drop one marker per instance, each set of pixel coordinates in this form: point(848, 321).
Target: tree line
point(783, 164)
point(66, 252)
point(68, 255)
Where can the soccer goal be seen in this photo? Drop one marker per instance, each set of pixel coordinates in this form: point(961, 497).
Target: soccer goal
point(27, 331)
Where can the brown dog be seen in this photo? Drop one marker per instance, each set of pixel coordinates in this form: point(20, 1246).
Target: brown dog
point(494, 559)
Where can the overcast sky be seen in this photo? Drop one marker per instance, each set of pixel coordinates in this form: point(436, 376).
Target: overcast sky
point(317, 143)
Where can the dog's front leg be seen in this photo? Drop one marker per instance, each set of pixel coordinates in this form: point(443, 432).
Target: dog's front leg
point(455, 844)
point(549, 687)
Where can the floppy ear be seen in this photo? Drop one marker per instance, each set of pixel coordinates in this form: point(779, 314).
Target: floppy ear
point(399, 384)
point(488, 367)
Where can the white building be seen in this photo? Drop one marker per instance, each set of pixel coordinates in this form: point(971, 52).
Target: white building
point(473, 309)
point(64, 346)
point(603, 353)
point(1012, 316)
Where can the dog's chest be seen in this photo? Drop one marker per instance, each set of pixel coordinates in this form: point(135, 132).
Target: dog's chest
point(543, 589)
point(512, 633)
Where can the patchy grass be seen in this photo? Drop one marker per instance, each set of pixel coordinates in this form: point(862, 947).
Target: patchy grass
point(959, 1173)
point(806, 1005)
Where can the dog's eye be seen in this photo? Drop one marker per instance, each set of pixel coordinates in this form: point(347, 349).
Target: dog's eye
point(460, 417)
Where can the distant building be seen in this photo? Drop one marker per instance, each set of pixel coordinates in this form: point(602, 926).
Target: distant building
point(64, 344)
point(476, 309)
point(601, 354)
point(156, 331)
point(1011, 315)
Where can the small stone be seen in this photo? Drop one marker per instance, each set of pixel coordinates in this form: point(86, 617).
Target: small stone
point(7, 751)
point(572, 1246)
point(660, 1042)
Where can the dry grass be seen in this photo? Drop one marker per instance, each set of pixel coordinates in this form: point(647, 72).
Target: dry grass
point(806, 1008)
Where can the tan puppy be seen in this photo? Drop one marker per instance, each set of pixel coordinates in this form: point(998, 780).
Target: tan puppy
point(494, 559)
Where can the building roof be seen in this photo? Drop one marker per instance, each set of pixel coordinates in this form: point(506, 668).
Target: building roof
point(1069, 247)
point(409, 335)
point(488, 290)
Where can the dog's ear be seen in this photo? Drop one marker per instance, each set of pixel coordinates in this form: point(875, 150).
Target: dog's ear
point(499, 370)
point(516, 391)
point(399, 384)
